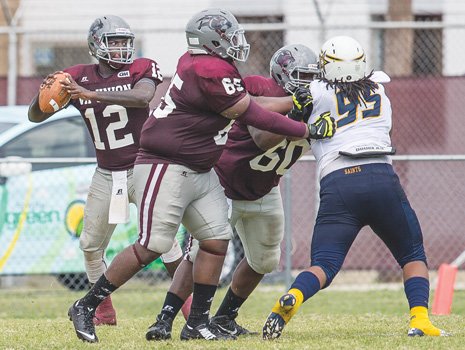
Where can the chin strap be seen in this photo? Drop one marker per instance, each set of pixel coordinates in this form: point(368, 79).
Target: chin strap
point(111, 64)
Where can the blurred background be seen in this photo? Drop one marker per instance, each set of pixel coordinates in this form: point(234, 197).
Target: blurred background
point(420, 44)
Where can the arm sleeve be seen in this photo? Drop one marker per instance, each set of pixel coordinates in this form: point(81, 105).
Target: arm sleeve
point(260, 118)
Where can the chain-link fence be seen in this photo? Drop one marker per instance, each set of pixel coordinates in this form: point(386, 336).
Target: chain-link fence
point(420, 54)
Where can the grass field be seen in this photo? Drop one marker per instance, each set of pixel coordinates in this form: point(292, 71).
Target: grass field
point(36, 319)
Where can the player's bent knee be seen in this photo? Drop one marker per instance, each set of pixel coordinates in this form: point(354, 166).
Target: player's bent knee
point(86, 243)
point(266, 265)
point(173, 254)
point(192, 250)
point(144, 255)
point(263, 258)
point(214, 246)
point(329, 270)
point(327, 283)
point(417, 258)
point(92, 242)
point(159, 244)
point(93, 255)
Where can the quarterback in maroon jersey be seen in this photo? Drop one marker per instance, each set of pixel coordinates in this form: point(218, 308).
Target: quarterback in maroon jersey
point(249, 169)
point(174, 177)
point(113, 98)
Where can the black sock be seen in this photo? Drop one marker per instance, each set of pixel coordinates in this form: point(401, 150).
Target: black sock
point(99, 291)
point(172, 305)
point(231, 304)
point(201, 302)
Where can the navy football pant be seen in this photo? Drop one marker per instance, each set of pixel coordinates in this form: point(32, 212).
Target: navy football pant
point(351, 198)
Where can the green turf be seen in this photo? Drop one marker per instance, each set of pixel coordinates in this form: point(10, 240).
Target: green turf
point(36, 319)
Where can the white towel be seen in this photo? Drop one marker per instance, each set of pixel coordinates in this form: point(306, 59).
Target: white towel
point(119, 203)
point(229, 208)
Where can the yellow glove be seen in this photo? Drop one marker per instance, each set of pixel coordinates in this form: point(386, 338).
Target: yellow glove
point(324, 127)
point(303, 104)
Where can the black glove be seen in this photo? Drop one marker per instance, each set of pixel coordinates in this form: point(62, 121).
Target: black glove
point(303, 104)
point(324, 127)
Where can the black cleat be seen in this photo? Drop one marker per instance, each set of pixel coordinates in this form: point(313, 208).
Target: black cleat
point(273, 327)
point(203, 331)
point(82, 317)
point(226, 324)
point(279, 317)
point(161, 329)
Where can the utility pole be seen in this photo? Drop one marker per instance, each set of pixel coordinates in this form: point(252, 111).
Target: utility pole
point(9, 46)
point(7, 9)
point(399, 42)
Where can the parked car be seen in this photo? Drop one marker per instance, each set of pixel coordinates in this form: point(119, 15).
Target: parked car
point(45, 173)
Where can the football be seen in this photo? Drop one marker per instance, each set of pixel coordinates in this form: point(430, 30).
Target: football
point(52, 96)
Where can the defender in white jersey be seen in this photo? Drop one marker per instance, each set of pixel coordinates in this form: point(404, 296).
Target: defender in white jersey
point(362, 129)
point(358, 187)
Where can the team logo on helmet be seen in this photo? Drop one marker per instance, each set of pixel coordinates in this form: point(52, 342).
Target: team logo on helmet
point(96, 26)
point(284, 58)
point(217, 23)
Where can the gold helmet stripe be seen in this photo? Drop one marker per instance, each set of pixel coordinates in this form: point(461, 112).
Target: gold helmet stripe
point(362, 56)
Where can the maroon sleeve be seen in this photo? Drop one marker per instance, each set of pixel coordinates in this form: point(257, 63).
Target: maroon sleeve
point(260, 118)
point(146, 68)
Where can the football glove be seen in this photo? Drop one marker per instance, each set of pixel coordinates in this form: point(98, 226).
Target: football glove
point(302, 104)
point(324, 127)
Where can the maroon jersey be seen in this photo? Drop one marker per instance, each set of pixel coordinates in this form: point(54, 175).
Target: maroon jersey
point(114, 129)
point(246, 171)
point(187, 127)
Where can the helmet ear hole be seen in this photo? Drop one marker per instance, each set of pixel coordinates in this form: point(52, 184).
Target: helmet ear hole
point(216, 43)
